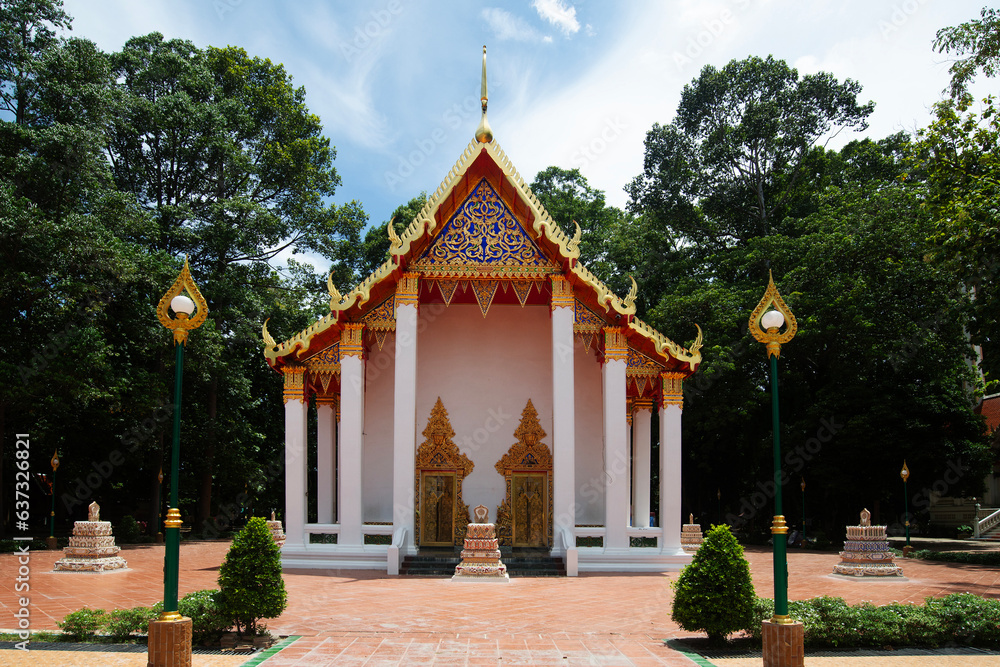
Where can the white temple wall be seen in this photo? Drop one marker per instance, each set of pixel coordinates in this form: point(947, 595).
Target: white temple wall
point(376, 465)
point(590, 477)
point(484, 370)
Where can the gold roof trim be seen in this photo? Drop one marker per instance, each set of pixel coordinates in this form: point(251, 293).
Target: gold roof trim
point(669, 348)
point(425, 222)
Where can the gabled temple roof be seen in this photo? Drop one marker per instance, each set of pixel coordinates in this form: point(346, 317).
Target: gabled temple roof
point(484, 227)
point(547, 250)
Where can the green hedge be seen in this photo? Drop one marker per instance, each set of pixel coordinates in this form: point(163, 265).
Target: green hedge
point(960, 618)
point(967, 557)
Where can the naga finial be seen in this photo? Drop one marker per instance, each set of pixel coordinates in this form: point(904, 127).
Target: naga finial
point(266, 335)
point(632, 294)
point(335, 297)
point(394, 242)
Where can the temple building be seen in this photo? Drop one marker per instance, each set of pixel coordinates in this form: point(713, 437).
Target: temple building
point(482, 363)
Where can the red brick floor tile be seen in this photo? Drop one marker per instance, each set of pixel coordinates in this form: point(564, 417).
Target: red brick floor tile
point(352, 617)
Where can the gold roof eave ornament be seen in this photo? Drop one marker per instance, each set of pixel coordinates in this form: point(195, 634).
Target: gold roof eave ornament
point(182, 324)
point(269, 344)
point(484, 134)
point(668, 348)
point(395, 245)
point(335, 297)
point(772, 337)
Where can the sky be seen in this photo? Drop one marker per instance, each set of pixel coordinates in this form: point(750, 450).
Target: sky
point(576, 84)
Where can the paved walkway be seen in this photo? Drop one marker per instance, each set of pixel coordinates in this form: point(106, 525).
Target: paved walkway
point(368, 618)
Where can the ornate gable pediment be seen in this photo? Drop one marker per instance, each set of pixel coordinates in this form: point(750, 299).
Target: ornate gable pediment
point(483, 239)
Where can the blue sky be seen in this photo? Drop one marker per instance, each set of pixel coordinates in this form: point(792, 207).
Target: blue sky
point(572, 83)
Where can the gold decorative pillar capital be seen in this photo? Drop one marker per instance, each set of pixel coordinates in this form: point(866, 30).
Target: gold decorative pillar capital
point(672, 389)
point(629, 410)
point(562, 292)
point(326, 399)
point(295, 383)
point(351, 340)
point(408, 289)
point(615, 344)
point(640, 404)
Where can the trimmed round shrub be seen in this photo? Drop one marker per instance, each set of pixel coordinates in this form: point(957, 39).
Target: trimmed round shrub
point(251, 587)
point(714, 594)
point(83, 624)
point(122, 623)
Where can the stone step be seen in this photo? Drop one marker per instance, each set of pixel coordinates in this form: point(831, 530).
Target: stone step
point(526, 564)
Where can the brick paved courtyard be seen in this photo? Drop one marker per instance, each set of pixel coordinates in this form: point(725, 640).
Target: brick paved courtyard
point(361, 617)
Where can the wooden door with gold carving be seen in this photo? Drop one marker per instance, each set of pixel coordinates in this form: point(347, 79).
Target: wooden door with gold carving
point(530, 512)
point(437, 509)
point(441, 514)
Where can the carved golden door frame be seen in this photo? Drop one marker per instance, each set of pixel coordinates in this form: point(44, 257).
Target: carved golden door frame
point(524, 518)
point(440, 470)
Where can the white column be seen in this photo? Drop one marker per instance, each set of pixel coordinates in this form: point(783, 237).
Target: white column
point(616, 454)
point(563, 415)
point(352, 419)
point(670, 463)
point(641, 462)
point(404, 425)
point(296, 488)
point(325, 461)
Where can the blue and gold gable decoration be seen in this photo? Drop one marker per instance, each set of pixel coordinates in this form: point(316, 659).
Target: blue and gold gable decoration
point(483, 246)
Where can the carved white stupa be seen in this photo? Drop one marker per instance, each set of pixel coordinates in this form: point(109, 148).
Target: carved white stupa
point(481, 552)
point(866, 552)
point(691, 536)
point(277, 532)
point(92, 546)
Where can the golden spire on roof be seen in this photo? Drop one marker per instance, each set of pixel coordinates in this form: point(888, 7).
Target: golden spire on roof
point(484, 134)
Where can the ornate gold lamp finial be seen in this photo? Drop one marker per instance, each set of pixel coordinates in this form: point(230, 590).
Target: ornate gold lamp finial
point(484, 134)
point(184, 307)
point(765, 324)
point(905, 472)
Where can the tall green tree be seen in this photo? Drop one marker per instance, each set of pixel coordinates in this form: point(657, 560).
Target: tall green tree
point(738, 147)
point(741, 184)
point(222, 152)
point(976, 46)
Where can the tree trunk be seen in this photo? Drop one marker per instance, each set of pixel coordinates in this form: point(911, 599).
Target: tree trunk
point(3, 473)
point(205, 493)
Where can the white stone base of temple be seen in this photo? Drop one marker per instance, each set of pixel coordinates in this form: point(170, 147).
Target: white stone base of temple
point(334, 556)
point(595, 559)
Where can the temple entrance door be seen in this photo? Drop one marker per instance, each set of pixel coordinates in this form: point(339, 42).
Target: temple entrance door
point(531, 504)
point(437, 509)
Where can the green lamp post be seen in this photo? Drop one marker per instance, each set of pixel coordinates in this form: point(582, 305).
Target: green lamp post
point(52, 512)
point(186, 318)
point(765, 325)
point(803, 485)
point(905, 474)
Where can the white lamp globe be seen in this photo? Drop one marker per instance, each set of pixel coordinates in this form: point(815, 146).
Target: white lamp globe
point(772, 319)
point(182, 304)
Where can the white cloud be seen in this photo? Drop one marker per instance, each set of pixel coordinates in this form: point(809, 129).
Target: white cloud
point(558, 14)
point(506, 26)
